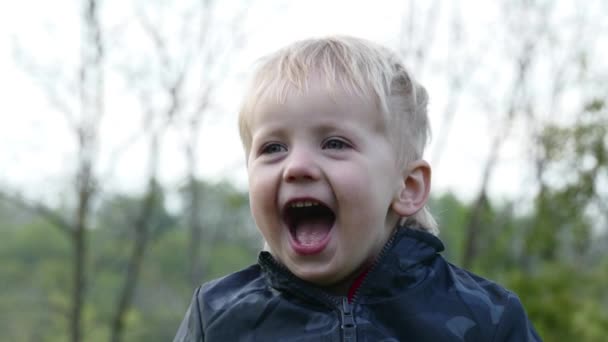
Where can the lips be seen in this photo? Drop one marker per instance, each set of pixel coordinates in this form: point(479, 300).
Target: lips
point(310, 222)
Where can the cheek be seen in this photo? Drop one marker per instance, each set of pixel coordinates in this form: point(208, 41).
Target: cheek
point(261, 194)
point(359, 184)
point(257, 179)
point(366, 194)
point(261, 213)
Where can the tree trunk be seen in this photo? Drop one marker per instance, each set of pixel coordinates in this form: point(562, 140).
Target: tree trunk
point(196, 271)
point(473, 226)
point(91, 103)
point(133, 267)
point(79, 241)
point(142, 232)
point(79, 278)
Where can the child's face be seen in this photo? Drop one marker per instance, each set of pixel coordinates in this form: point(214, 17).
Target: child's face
point(322, 179)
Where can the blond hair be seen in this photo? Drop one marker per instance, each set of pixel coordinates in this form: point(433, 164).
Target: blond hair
point(359, 67)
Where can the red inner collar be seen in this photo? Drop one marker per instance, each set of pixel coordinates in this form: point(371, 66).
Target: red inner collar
point(356, 284)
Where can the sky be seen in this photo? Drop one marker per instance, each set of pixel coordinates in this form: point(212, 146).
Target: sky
point(36, 148)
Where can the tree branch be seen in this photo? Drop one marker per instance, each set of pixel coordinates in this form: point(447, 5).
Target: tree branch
point(40, 210)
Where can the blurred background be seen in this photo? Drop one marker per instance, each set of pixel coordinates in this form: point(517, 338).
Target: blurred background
point(123, 184)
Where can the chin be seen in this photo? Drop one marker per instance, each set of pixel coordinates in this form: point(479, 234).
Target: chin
point(327, 278)
point(314, 275)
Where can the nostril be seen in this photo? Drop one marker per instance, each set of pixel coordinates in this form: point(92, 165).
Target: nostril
point(305, 171)
point(294, 174)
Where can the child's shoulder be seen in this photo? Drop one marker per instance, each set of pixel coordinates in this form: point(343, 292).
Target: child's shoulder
point(444, 294)
point(240, 291)
point(212, 301)
point(419, 247)
point(491, 302)
point(220, 291)
point(472, 287)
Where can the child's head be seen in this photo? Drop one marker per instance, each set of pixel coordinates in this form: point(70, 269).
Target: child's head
point(333, 131)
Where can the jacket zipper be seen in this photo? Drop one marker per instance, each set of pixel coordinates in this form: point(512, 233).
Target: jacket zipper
point(344, 307)
point(383, 252)
point(349, 327)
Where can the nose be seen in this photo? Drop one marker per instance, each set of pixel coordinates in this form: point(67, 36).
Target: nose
point(301, 165)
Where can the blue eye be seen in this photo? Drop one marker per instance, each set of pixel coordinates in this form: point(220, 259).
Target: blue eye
point(273, 148)
point(335, 144)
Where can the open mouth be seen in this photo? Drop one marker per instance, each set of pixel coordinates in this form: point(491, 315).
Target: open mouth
point(310, 223)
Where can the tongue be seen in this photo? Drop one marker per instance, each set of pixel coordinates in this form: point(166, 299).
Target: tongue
point(312, 231)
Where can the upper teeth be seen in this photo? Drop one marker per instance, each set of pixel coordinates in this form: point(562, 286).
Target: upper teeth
point(301, 204)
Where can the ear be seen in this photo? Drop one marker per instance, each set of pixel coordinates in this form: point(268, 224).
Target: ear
point(414, 188)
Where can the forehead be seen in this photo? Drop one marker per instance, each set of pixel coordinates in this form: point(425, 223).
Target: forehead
point(320, 102)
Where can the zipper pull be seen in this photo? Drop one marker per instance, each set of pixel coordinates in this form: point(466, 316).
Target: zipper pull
point(349, 327)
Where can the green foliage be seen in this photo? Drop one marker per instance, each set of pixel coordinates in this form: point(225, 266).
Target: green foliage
point(34, 277)
point(450, 214)
point(564, 301)
point(35, 273)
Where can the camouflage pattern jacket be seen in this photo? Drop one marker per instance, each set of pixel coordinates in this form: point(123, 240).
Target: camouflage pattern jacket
point(410, 294)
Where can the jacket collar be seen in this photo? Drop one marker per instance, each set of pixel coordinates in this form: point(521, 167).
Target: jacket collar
point(400, 265)
point(404, 265)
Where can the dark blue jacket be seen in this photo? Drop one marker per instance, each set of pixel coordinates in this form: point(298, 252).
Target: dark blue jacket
point(410, 294)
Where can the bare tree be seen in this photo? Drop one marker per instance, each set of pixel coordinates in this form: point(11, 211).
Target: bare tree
point(518, 100)
point(84, 120)
point(142, 226)
point(194, 78)
point(420, 28)
point(91, 100)
point(527, 43)
point(418, 31)
point(550, 60)
point(186, 80)
point(213, 58)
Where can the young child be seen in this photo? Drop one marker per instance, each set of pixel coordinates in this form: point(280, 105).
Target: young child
point(334, 130)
